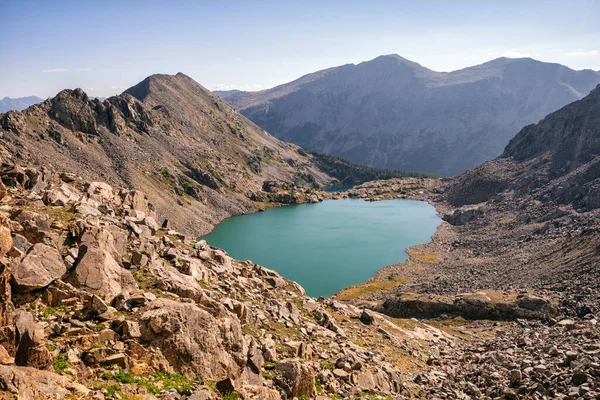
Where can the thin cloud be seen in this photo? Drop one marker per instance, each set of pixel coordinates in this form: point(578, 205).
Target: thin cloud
point(82, 69)
point(514, 53)
point(226, 86)
point(581, 53)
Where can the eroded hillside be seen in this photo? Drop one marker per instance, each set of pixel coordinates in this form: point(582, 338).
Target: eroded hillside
point(198, 159)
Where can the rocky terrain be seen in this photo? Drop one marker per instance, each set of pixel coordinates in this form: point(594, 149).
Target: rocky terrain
point(390, 112)
point(107, 295)
point(100, 301)
point(521, 234)
point(196, 158)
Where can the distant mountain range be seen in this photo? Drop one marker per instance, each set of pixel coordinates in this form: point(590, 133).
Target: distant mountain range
point(20, 103)
point(394, 113)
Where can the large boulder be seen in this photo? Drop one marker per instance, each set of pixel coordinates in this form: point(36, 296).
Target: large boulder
point(297, 379)
point(62, 195)
point(6, 242)
point(97, 272)
point(40, 267)
point(6, 306)
point(193, 341)
point(31, 351)
point(31, 383)
point(111, 239)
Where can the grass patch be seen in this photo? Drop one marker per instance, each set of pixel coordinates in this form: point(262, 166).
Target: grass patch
point(50, 311)
point(357, 291)
point(154, 383)
point(428, 258)
point(60, 363)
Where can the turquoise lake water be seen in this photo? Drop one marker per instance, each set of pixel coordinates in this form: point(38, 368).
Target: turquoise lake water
point(330, 245)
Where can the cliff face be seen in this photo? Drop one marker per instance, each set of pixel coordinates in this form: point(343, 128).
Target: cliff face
point(393, 113)
point(557, 159)
point(197, 158)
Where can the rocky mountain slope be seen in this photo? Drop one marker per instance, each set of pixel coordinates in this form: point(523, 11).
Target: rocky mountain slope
point(19, 103)
point(99, 301)
point(393, 113)
point(519, 229)
point(198, 159)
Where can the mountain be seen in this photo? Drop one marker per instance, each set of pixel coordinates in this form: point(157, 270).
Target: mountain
point(557, 159)
point(393, 113)
point(196, 157)
point(19, 103)
point(224, 94)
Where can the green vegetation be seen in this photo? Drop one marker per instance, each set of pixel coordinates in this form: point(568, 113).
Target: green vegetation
point(319, 385)
point(153, 383)
point(231, 396)
point(350, 173)
point(50, 311)
point(270, 365)
point(60, 363)
point(267, 375)
point(165, 173)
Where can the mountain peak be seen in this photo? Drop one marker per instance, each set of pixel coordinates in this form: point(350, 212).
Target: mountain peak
point(397, 59)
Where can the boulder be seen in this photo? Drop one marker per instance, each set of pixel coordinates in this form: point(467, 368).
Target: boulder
point(40, 267)
point(31, 383)
point(298, 378)
point(193, 341)
point(99, 273)
point(6, 242)
point(6, 306)
point(100, 191)
point(62, 195)
point(31, 351)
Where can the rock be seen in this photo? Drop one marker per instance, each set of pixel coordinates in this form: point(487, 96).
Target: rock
point(62, 195)
point(31, 383)
point(40, 267)
point(269, 350)
point(101, 191)
point(6, 305)
point(6, 241)
point(367, 317)
point(510, 394)
point(515, 377)
point(5, 358)
point(96, 305)
point(579, 378)
point(98, 272)
point(139, 259)
point(193, 341)
point(203, 394)
point(118, 359)
point(31, 351)
point(340, 373)
point(131, 330)
point(298, 378)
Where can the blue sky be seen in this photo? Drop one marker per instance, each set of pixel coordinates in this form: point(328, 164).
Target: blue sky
point(106, 46)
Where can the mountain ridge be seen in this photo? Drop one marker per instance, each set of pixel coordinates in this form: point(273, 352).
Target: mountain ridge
point(192, 153)
point(392, 113)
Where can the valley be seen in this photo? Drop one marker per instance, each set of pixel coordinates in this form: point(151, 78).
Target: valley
point(107, 292)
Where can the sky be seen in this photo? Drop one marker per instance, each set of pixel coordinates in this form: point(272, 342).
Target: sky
point(107, 46)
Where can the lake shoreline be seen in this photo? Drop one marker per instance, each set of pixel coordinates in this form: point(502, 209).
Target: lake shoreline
point(420, 189)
